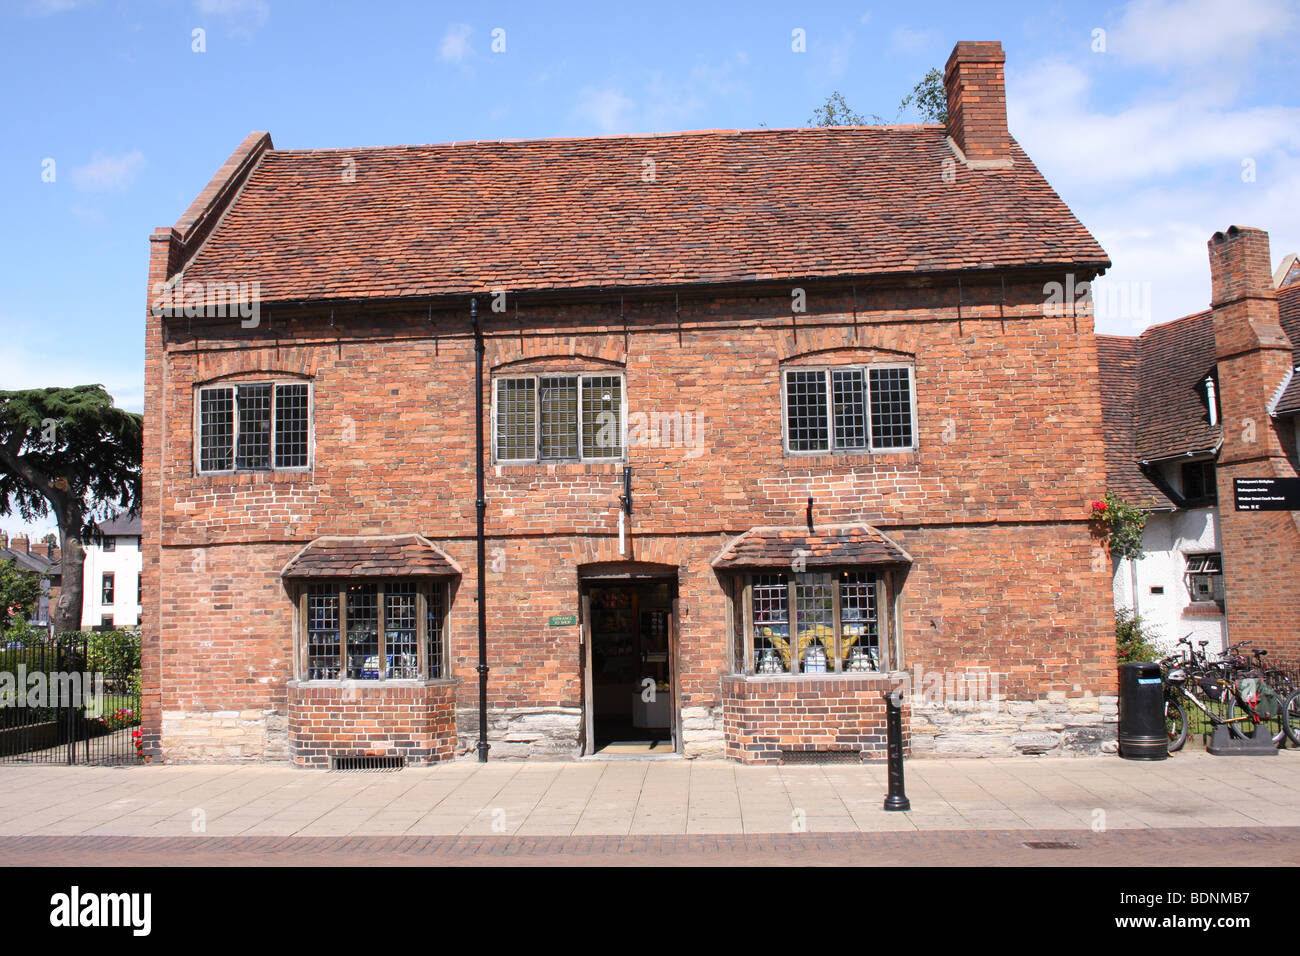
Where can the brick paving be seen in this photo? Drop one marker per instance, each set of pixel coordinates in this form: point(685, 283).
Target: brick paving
point(1189, 808)
point(1188, 846)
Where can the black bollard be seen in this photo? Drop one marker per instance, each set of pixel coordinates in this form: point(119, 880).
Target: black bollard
point(897, 799)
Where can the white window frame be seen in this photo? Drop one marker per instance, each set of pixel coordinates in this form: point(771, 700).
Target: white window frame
point(826, 370)
point(536, 458)
point(234, 450)
point(1200, 560)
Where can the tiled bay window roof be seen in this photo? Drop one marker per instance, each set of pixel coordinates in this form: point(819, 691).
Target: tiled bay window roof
point(830, 546)
point(387, 556)
point(714, 206)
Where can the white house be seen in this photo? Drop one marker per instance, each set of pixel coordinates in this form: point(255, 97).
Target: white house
point(111, 576)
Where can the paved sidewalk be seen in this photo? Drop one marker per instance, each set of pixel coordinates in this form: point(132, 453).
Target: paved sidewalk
point(640, 797)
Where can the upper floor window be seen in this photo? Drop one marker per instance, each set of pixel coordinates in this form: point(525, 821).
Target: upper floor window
point(849, 408)
point(108, 542)
point(106, 588)
point(256, 427)
point(558, 418)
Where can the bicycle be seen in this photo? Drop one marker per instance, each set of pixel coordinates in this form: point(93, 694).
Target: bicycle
point(1242, 716)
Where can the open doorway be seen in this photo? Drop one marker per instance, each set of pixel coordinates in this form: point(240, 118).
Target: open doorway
point(630, 690)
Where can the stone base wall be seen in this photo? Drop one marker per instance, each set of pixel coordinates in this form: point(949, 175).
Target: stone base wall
point(1055, 724)
point(374, 720)
point(551, 733)
point(766, 719)
point(223, 735)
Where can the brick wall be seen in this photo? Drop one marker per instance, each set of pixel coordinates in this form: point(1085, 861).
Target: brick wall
point(415, 722)
point(993, 504)
point(766, 718)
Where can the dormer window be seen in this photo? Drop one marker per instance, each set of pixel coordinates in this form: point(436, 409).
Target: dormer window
point(1199, 487)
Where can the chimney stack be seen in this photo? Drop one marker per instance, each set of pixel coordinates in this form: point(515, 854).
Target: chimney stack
point(1253, 357)
point(20, 542)
point(977, 103)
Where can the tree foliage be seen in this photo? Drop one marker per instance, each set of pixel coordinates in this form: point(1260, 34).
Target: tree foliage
point(20, 590)
point(836, 112)
point(71, 453)
point(1132, 642)
point(928, 98)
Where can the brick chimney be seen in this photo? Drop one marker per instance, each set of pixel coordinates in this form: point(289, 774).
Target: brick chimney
point(977, 103)
point(20, 542)
point(1261, 549)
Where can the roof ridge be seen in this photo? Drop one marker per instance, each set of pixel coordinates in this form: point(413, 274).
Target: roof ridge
point(606, 137)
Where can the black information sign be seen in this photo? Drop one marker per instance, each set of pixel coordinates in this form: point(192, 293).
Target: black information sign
point(1266, 494)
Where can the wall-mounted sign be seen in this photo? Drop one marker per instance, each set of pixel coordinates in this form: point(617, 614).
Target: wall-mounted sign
point(1266, 494)
point(563, 620)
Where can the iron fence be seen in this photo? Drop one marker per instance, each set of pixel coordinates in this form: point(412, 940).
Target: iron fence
point(71, 699)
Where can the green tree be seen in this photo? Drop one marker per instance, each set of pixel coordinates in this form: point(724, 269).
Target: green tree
point(929, 98)
point(19, 591)
point(836, 112)
point(72, 453)
point(1132, 642)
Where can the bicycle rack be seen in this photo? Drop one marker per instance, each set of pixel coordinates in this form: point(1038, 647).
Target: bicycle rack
point(1224, 744)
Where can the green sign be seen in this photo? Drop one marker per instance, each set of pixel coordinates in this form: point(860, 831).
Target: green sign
point(563, 620)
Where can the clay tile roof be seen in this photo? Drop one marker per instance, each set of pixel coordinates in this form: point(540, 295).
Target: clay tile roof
point(388, 556)
point(723, 206)
point(1118, 364)
point(823, 547)
point(1288, 307)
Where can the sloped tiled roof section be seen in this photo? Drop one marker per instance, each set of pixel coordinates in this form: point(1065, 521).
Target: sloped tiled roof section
point(393, 556)
point(831, 546)
point(1118, 364)
point(717, 206)
point(1288, 305)
point(1172, 414)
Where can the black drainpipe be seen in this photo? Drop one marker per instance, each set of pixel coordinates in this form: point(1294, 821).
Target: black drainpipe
point(480, 504)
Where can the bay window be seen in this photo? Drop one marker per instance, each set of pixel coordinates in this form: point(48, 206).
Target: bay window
point(815, 623)
point(373, 630)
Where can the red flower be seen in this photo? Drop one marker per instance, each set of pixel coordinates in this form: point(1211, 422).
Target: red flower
point(1099, 506)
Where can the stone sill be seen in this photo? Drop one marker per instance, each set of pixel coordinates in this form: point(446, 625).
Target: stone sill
point(857, 678)
point(376, 686)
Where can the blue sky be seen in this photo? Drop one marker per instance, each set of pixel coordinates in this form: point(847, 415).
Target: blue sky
point(1179, 118)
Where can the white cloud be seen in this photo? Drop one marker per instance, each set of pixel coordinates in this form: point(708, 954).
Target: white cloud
point(904, 39)
point(606, 109)
point(1155, 174)
point(244, 12)
point(1192, 33)
point(105, 172)
point(454, 46)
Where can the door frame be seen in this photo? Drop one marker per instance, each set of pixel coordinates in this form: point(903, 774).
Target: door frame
point(626, 575)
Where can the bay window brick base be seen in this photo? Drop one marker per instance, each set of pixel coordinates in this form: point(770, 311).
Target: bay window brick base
point(766, 720)
point(415, 721)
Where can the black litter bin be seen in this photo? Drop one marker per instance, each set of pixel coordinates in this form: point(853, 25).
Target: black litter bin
point(1142, 733)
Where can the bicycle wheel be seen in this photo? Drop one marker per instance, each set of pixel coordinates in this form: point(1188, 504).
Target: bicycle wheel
point(1291, 717)
point(1175, 725)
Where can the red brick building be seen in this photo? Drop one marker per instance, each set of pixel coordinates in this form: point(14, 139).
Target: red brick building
point(767, 414)
point(1190, 405)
